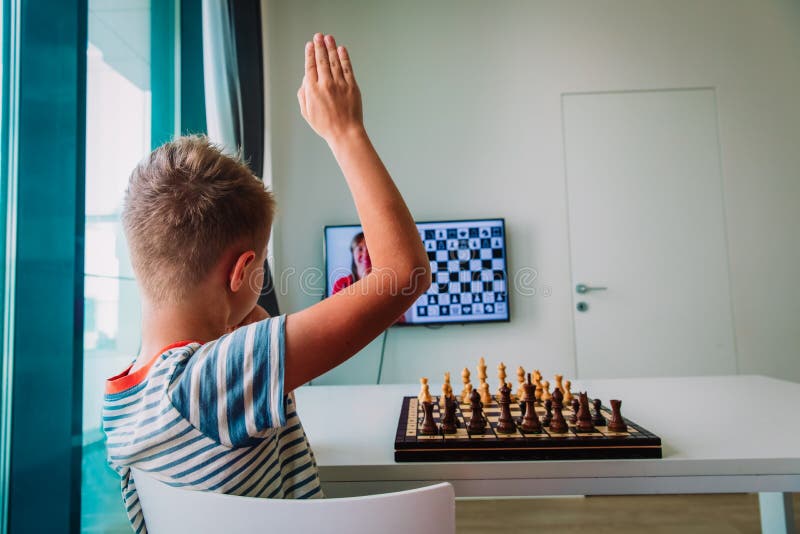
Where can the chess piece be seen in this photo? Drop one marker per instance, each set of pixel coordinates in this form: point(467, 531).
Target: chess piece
point(548, 413)
point(429, 427)
point(584, 415)
point(425, 392)
point(574, 405)
point(567, 393)
point(521, 381)
point(448, 424)
point(485, 396)
point(477, 422)
point(617, 423)
point(482, 370)
point(501, 376)
point(530, 420)
point(546, 391)
point(560, 386)
point(447, 391)
point(597, 418)
point(558, 424)
point(465, 393)
point(505, 423)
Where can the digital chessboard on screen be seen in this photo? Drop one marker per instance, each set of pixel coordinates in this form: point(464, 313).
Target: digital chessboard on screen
point(468, 268)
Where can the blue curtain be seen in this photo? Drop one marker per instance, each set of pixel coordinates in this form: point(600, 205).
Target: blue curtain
point(43, 152)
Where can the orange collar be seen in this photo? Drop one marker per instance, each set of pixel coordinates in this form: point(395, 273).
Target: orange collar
point(124, 381)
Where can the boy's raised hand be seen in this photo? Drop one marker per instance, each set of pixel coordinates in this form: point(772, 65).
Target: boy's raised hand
point(324, 335)
point(330, 100)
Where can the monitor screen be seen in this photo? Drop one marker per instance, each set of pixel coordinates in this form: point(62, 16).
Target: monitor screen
point(468, 264)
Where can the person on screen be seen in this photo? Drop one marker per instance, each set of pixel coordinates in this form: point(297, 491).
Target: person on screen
point(216, 411)
point(361, 265)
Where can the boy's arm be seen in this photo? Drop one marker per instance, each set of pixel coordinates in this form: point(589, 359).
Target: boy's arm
point(328, 333)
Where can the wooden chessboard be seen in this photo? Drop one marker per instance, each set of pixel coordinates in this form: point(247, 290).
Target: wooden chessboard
point(412, 446)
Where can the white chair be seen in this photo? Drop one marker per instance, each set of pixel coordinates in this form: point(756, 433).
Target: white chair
point(168, 510)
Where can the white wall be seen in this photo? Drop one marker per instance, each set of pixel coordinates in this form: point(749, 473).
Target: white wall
point(462, 100)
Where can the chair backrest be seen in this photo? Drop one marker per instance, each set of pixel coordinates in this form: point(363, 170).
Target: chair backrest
point(428, 510)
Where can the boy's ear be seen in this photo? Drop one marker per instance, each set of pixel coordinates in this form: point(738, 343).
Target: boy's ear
point(238, 272)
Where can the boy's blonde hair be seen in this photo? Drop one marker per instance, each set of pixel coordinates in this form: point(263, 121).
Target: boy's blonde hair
point(186, 203)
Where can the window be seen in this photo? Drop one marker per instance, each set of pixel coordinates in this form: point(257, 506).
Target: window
point(118, 111)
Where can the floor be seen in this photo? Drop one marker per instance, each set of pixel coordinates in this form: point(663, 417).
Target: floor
point(688, 514)
point(654, 514)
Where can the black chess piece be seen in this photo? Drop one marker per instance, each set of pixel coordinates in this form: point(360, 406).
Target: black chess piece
point(505, 423)
point(548, 413)
point(448, 424)
point(617, 423)
point(477, 422)
point(429, 427)
point(522, 408)
point(584, 415)
point(597, 417)
point(558, 425)
point(530, 420)
point(574, 417)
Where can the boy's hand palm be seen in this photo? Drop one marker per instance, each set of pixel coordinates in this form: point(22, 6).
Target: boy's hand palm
point(329, 97)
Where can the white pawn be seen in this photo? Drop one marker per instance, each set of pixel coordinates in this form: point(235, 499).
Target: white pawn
point(521, 380)
point(546, 391)
point(567, 393)
point(467, 391)
point(425, 392)
point(486, 397)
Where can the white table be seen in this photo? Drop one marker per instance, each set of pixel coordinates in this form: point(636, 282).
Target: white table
point(722, 434)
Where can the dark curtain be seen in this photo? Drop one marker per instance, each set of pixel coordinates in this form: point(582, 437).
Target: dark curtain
point(234, 83)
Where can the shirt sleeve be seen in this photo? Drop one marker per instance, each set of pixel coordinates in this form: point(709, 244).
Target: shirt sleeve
point(231, 389)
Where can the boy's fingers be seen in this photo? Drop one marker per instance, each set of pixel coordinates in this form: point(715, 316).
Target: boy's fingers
point(333, 58)
point(311, 67)
point(347, 68)
point(301, 98)
point(321, 55)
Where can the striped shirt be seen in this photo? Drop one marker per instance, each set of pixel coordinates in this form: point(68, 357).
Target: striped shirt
point(211, 417)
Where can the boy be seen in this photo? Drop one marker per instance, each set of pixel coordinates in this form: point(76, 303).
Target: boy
point(215, 411)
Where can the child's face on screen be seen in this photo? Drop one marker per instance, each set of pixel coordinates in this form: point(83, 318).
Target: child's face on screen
point(361, 258)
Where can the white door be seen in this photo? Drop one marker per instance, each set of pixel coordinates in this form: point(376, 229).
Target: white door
point(647, 222)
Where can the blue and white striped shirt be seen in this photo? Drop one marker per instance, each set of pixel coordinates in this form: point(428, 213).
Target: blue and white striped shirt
point(211, 417)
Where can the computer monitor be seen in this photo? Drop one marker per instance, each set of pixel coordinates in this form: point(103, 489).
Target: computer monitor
point(468, 263)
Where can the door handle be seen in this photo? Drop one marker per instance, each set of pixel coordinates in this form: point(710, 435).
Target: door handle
point(583, 288)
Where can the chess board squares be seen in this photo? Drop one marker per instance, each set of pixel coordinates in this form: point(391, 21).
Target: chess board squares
point(542, 434)
point(603, 430)
point(461, 433)
point(616, 434)
point(515, 435)
point(488, 435)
